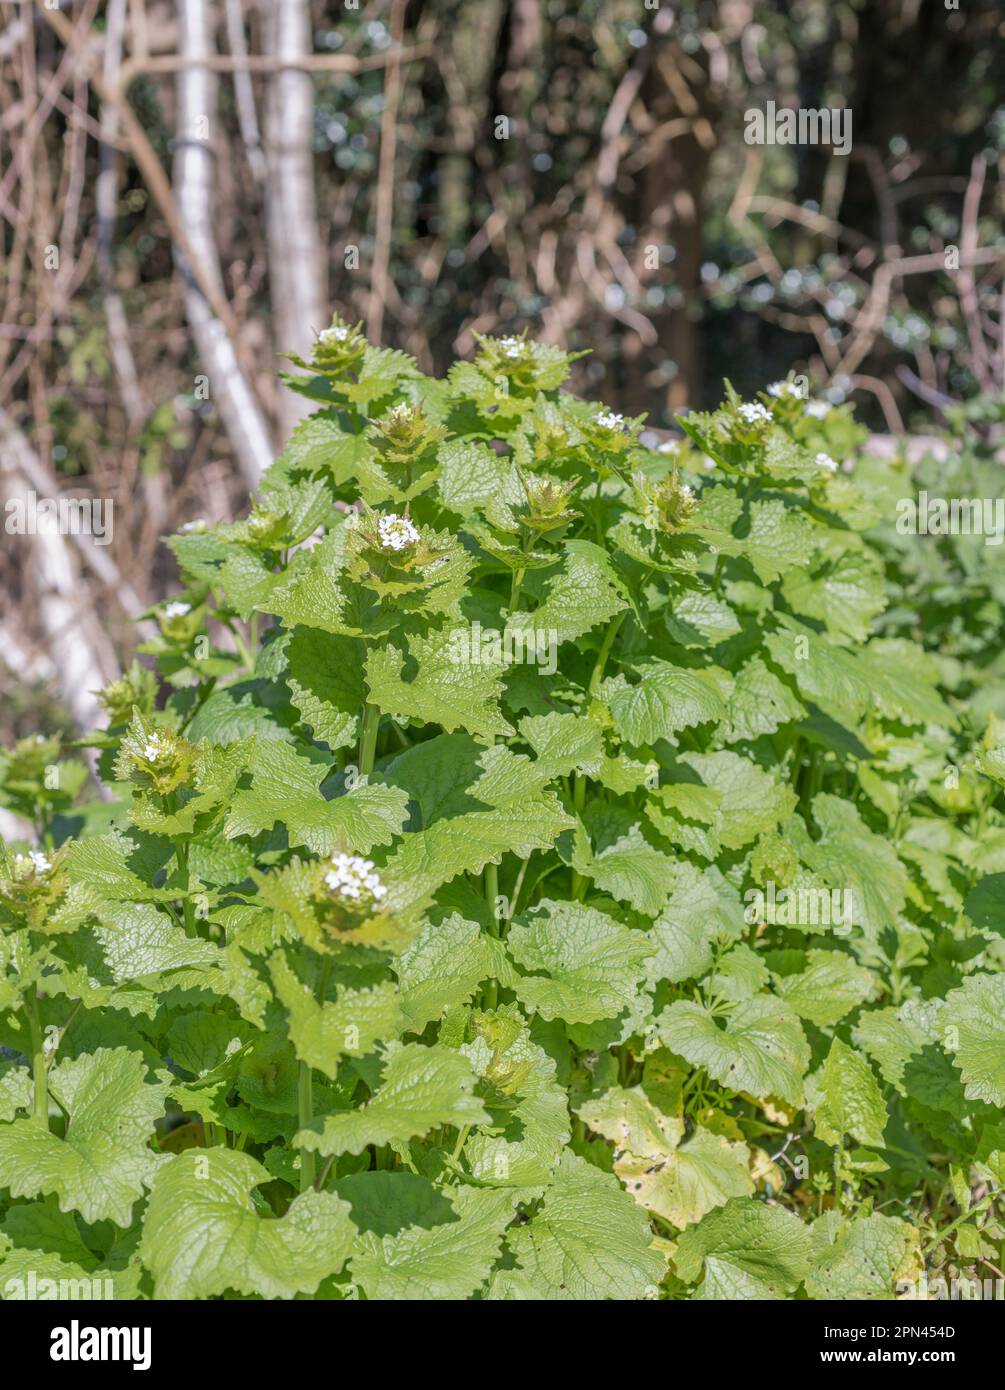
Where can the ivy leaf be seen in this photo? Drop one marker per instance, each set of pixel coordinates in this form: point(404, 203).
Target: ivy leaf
point(102, 1165)
point(421, 1087)
point(590, 964)
point(846, 1099)
point(203, 1236)
point(761, 1049)
point(588, 1241)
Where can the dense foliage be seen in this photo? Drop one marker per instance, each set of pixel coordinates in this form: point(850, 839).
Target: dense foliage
point(544, 867)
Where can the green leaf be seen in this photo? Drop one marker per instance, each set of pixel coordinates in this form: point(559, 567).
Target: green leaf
point(203, 1235)
point(685, 1183)
point(846, 1099)
point(752, 800)
point(103, 1164)
point(972, 1026)
point(421, 1087)
point(285, 788)
point(325, 678)
point(665, 700)
point(442, 968)
point(746, 1250)
point(583, 594)
point(693, 918)
point(761, 1048)
point(759, 704)
point(323, 1033)
point(564, 743)
point(630, 869)
point(588, 1241)
point(445, 1251)
point(445, 690)
point(858, 1259)
point(829, 987)
point(588, 965)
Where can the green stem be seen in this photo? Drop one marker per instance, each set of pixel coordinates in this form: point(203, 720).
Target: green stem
point(462, 1139)
point(40, 1105)
point(605, 650)
point(305, 1113)
point(578, 805)
point(305, 1089)
point(490, 995)
point(368, 739)
point(964, 1216)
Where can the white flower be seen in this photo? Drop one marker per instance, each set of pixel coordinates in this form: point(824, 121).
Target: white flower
point(669, 446)
point(153, 749)
point(40, 863)
point(754, 413)
point(398, 412)
point(825, 461)
point(511, 347)
point(188, 527)
point(396, 532)
point(819, 410)
point(178, 609)
point(785, 390)
point(607, 420)
point(333, 335)
point(686, 490)
point(350, 876)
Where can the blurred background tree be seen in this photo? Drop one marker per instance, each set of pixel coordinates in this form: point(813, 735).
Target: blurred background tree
point(189, 189)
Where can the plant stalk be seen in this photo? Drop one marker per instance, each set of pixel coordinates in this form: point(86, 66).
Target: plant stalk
point(368, 739)
point(39, 1067)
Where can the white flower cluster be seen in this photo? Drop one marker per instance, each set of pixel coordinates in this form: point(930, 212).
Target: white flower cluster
point(607, 420)
point(333, 335)
point(753, 413)
point(513, 348)
point(785, 391)
point(350, 876)
point(818, 410)
point(178, 609)
point(825, 461)
point(154, 750)
point(39, 862)
point(396, 532)
point(187, 527)
point(398, 412)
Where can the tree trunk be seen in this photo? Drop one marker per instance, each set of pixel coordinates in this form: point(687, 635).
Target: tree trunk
point(296, 261)
point(229, 388)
